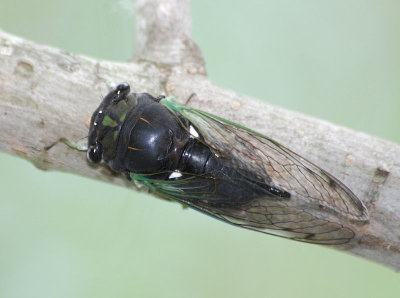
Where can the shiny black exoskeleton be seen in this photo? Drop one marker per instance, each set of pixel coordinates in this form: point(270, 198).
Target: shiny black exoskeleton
point(147, 138)
point(150, 138)
point(220, 168)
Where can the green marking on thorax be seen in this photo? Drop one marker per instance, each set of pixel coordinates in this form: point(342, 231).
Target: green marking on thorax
point(115, 135)
point(107, 121)
point(122, 118)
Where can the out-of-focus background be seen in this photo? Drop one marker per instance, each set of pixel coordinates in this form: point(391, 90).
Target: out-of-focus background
point(68, 236)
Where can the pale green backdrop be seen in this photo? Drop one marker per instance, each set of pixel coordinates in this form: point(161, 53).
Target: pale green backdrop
point(68, 236)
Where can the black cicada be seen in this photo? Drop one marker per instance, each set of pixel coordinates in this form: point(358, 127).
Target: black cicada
point(220, 168)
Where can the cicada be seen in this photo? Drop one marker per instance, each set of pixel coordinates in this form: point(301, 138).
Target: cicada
point(221, 168)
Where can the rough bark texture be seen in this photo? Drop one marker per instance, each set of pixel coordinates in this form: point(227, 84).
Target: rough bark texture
point(48, 94)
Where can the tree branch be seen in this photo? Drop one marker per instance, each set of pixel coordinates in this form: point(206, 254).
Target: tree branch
point(48, 94)
point(163, 33)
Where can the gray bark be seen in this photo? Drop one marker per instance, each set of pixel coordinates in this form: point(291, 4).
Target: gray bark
point(48, 94)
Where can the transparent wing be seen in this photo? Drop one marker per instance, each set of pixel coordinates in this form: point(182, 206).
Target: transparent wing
point(317, 202)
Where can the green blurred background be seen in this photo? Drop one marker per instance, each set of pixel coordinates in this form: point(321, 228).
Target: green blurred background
point(68, 236)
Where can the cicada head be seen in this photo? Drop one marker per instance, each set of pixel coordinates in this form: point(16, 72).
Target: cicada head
point(106, 123)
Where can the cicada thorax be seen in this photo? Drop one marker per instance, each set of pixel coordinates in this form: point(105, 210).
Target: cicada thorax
point(117, 134)
point(151, 139)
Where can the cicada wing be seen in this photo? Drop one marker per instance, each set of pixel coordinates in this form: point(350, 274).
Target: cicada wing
point(274, 164)
point(264, 214)
point(277, 218)
point(317, 200)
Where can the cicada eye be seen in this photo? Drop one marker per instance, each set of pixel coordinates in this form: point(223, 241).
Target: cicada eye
point(120, 92)
point(95, 153)
point(122, 88)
